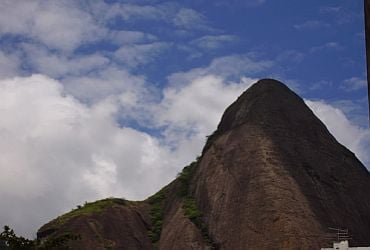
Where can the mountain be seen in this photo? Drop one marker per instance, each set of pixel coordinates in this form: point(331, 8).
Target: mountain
point(270, 177)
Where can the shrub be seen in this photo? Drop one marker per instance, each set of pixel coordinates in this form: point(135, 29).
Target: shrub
point(156, 215)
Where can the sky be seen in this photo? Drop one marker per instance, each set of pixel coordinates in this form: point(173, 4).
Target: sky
point(114, 98)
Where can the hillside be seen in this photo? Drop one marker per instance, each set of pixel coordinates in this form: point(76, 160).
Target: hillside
point(270, 177)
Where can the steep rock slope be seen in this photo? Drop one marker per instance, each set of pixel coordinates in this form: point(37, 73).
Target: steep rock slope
point(270, 177)
point(106, 224)
point(276, 178)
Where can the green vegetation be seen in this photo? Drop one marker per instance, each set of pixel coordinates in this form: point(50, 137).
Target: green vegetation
point(184, 178)
point(156, 203)
point(191, 210)
point(90, 208)
point(190, 207)
point(156, 215)
point(10, 241)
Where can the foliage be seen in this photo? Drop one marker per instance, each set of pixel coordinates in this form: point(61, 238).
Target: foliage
point(13, 242)
point(191, 210)
point(57, 242)
point(156, 215)
point(156, 202)
point(90, 208)
point(184, 178)
point(190, 207)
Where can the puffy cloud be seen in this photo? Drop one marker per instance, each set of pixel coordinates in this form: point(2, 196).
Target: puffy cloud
point(190, 19)
point(225, 67)
point(356, 138)
point(213, 42)
point(311, 24)
point(184, 108)
point(109, 82)
point(138, 54)
point(128, 11)
point(65, 25)
point(354, 83)
point(328, 45)
point(238, 3)
point(58, 24)
point(319, 85)
point(9, 64)
point(60, 65)
point(354, 110)
point(130, 37)
point(57, 153)
point(330, 9)
point(290, 56)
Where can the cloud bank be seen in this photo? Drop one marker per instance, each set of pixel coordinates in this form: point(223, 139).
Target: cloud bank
point(84, 117)
point(58, 152)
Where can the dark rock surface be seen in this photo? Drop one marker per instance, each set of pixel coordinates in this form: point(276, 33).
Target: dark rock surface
point(270, 177)
point(115, 227)
point(274, 174)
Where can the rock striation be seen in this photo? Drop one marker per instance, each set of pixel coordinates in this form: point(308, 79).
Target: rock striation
point(270, 177)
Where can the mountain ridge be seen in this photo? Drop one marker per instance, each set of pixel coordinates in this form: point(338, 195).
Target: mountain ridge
point(270, 177)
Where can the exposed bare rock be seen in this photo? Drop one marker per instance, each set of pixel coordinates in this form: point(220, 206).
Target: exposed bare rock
point(122, 225)
point(270, 177)
point(275, 177)
point(179, 233)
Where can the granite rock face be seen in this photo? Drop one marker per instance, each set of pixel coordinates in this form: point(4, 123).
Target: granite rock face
point(116, 226)
point(270, 177)
point(275, 176)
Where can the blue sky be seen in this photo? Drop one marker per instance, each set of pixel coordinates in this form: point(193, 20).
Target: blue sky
point(113, 98)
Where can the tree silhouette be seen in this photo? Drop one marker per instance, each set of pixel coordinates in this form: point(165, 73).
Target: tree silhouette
point(10, 241)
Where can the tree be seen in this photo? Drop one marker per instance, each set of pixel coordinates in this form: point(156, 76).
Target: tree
point(10, 241)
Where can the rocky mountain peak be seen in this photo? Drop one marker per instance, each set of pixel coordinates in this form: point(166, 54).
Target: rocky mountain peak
point(270, 105)
point(270, 177)
point(265, 100)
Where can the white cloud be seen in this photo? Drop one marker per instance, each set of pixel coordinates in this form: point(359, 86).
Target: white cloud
point(64, 142)
point(355, 110)
point(135, 55)
point(65, 25)
point(319, 85)
point(290, 56)
point(100, 84)
point(184, 108)
point(213, 42)
point(59, 65)
point(58, 24)
point(192, 53)
point(57, 152)
point(128, 11)
point(190, 19)
point(238, 3)
point(328, 45)
point(129, 37)
point(330, 9)
point(354, 83)
point(225, 67)
point(183, 18)
point(311, 24)
point(356, 138)
point(9, 64)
